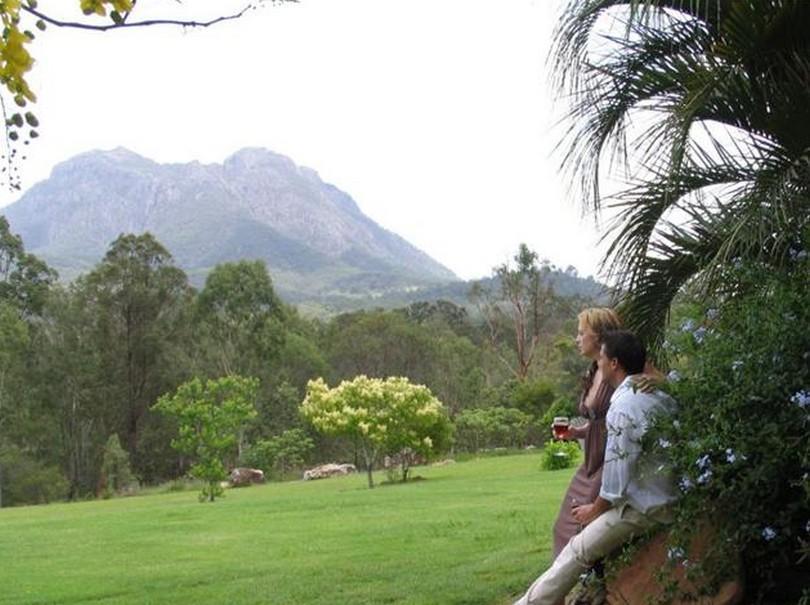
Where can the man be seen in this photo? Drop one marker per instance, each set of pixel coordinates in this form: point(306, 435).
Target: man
point(635, 494)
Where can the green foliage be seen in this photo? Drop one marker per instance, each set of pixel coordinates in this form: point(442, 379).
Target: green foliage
point(25, 480)
point(534, 396)
point(116, 475)
point(701, 93)
point(73, 389)
point(138, 299)
point(24, 279)
point(385, 416)
point(241, 317)
point(425, 350)
point(739, 446)
point(210, 416)
point(281, 453)
point(559, 454)
point(480, 428)
point(560, 407)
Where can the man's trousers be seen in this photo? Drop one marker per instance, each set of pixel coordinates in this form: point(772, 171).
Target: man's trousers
point(599, 538)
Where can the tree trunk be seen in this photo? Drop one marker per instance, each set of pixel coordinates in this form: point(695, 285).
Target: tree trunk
point(369, 465)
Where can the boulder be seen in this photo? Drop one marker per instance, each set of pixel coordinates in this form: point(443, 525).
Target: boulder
point(325, 471)
point(243, 477)
point(637, 582)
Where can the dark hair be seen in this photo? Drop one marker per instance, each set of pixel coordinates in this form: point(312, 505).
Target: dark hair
point(627, 348)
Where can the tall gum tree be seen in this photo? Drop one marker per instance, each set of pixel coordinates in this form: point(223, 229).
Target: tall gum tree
point(139, 298)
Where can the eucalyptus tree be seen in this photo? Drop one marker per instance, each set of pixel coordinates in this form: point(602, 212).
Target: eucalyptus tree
point(14, 340)
point(516, 310)
point(140, 301)
point(706, 104)
point(241, 316)
point(24, 278)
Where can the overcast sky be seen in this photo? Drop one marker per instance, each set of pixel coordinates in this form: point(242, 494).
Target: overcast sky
point(434, 115)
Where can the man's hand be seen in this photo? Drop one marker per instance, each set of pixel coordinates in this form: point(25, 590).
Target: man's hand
point(585, 513)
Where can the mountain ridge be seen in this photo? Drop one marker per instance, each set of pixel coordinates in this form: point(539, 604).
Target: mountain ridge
point(255, 204)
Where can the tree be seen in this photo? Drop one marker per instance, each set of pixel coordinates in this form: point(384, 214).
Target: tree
point(385, 416)
point(239, 312)
point(707, 105)
point(21, 17)
point(14, 340)
point(210, 415)
point(24, 279)
point(521, 304)
point(378, 344)
point(72, 387)
point(140, 301)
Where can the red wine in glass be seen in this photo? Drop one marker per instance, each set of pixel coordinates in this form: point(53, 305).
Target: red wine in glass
point(559, 427)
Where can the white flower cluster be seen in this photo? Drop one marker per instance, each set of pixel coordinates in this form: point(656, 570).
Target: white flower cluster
point(704, 465)
point(801, 399)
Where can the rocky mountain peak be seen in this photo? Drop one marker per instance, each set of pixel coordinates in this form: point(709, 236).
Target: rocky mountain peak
point(257, 204)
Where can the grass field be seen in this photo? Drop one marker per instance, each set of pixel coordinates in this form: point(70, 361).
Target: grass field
point(469, 533)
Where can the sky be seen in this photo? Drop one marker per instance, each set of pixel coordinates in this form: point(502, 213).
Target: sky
point(436, 116)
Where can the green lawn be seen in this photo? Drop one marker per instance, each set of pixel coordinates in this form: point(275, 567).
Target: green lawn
point(474, 533)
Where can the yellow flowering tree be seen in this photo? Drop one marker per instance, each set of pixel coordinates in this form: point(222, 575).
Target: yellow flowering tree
point(385, 416)
point(21, 17)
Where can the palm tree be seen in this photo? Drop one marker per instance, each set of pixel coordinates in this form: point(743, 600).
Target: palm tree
point(706, 105)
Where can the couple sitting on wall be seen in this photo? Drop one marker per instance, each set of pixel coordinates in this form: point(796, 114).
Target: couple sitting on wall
point(635, 495)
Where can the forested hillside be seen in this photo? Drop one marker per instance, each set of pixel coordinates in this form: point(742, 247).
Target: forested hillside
point(83, 365)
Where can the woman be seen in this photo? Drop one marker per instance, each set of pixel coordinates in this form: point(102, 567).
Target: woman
point(593, 405)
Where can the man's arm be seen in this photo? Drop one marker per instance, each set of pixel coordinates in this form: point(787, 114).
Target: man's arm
point(616, 471)
point(621, 452)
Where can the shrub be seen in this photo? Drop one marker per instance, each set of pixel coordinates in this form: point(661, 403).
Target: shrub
point(560, 407)
point(559, 454)
point(280, 454)
point(534, 397)
point(492, 427)
point(28, 481)
point(739, 444)
point(116, 474)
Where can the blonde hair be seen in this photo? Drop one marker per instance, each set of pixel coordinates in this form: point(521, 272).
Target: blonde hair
point(600, 320)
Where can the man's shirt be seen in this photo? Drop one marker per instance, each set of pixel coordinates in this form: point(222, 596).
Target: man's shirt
point(628, 476)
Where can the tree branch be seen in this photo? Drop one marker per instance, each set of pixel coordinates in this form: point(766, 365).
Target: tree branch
point(148, 22)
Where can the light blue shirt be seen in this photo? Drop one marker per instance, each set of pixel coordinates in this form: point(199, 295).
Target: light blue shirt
point(641, 481)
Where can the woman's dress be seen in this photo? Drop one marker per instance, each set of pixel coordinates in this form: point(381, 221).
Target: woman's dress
point(587, 481)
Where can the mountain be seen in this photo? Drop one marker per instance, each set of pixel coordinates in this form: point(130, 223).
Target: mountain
point(256, 205)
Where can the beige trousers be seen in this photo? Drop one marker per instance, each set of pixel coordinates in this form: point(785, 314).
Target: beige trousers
point(602, 536)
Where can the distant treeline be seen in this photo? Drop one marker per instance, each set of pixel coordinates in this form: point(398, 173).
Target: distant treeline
point(82, 365)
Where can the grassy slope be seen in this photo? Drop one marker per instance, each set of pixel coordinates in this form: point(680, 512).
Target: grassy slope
point(471, 533)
